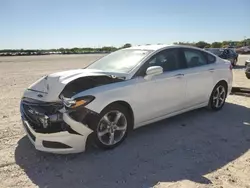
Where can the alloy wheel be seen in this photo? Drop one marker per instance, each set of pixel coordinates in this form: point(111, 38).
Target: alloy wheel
point(219, 96)
point(112, 128)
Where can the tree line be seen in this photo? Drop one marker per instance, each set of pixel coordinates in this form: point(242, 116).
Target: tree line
point(223, 44)
point(108, 49)
point(87, 50)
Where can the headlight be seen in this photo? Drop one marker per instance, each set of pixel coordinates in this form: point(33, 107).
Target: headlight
point(74, 103)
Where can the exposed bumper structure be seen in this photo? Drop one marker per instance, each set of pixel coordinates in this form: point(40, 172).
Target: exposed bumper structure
point(247, 62)
point(247, 69)
point(63, 141)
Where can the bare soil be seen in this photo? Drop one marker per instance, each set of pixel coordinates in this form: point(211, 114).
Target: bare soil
point(197, 149)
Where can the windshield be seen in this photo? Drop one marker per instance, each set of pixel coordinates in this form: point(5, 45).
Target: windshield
point(215, 51)
point(122, 61)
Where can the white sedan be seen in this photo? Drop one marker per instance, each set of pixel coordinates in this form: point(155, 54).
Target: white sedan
point(122, 91)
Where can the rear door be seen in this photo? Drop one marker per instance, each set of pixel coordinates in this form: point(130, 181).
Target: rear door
point(199, 77)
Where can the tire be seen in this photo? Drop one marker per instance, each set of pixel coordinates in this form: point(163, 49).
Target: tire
point(234, 62)
point(101, 126)
point(221, 98)
point(248, 76)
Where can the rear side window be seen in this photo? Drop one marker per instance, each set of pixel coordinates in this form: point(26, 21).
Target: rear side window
point(194, 58)
point(210, 58)
point(226, 51)
point(232, 52)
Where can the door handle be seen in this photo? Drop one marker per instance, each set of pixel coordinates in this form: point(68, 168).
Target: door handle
point(179, 75)
point(211, 70)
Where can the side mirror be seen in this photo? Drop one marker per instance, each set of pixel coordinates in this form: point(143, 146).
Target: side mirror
point(153, 71)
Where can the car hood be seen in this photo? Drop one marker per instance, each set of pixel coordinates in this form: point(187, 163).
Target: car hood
point(49, 87)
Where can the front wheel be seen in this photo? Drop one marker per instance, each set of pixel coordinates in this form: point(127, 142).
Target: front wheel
point(111, 127)
point(218, 97)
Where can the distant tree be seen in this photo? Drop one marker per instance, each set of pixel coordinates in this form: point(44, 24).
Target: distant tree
point(247, 42)
point(201, 44)
point(76, 50)
point(225, 43)
point(216, 45)
point(108, 49)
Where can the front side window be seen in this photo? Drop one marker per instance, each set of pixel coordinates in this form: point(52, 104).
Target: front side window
point(194, 58)
point(167, 59)
point(121, 61)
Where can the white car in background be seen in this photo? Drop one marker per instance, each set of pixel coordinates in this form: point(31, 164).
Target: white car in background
point(122, 91)
point(244, 50)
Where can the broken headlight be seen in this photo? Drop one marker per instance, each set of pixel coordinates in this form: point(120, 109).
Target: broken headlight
point(77, 102)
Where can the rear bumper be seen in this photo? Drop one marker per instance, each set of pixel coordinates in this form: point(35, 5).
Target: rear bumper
point(71, 139)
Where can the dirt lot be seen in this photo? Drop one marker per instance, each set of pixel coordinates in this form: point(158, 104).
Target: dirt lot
point(196, 149)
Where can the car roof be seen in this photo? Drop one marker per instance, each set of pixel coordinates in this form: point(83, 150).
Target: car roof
point(156, 47)
point(149, 47)
point(220, 49)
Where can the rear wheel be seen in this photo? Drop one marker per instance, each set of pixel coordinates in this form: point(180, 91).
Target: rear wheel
point(234, 62)
point(218, 97)
point(111, 127)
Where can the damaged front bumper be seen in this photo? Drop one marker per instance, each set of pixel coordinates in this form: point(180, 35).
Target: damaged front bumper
point(60, 132)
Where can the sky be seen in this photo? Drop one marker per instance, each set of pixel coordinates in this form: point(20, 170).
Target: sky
point(33, 24)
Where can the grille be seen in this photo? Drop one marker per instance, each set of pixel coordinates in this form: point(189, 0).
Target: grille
point(33, 111)
point(47, 108)
point(31, 118)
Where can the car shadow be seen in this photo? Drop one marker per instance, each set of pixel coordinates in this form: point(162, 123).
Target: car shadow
point(239, 67)
point(187, 146)
point(241, 91)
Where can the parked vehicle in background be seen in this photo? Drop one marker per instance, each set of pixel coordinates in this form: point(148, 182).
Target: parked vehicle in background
point(247, 70)
point(243, 50)
point(122, 91)
point(225, 53)
point(232, 48)
point(247, 62)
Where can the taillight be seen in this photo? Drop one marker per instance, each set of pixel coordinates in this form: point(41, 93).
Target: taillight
point(231, 67)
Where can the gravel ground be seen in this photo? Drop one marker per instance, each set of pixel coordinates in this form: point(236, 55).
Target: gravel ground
point(196, 149)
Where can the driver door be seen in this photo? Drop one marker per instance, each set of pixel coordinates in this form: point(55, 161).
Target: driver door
point(162, 94)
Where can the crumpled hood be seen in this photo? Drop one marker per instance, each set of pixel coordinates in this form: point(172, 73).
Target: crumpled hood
point(49, 87)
